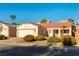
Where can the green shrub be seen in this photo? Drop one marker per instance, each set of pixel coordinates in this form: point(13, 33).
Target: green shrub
point(68, 40)
point(3, 37)
point(29, 38)
point(40, 37)
point(54, 39)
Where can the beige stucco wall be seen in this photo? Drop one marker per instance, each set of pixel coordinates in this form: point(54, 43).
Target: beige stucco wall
point(50, 33)
point(28, 27)
point(77, 33)
point(4, 30)
point(77, 27)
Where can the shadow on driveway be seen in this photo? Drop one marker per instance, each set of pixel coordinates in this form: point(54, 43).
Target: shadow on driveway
point(40, 51)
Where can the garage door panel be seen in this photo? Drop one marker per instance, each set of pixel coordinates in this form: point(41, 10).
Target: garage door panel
point(22, 33)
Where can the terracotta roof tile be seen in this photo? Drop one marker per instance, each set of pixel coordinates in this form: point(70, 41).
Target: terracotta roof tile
point(56, 25)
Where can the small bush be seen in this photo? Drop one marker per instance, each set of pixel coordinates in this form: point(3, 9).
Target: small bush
point(54, 39)
point(3, 37)
point(29, 38)
point(40, 37)
point(68, 40)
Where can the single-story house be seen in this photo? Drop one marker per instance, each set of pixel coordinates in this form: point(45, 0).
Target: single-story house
point(55, 29)
point(29, 28)
point(7, 29)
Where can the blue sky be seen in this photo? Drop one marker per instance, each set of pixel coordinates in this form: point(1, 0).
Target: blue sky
point(34, 12)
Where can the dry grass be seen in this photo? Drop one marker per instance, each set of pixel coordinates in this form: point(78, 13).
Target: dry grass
point(34, 42)
point(77, 43)
point(41, 43)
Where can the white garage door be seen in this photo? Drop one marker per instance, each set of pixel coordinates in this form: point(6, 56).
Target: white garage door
point(22, 33)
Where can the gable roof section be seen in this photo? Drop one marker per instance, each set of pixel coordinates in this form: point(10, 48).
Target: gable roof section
point(56, 25)
point(30, 23)
point(4, 23)
point(8, 24)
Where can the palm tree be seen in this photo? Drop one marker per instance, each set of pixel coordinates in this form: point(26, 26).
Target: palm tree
point(43, 20)
point(71, 20)
point(73, 26)
point(13, 17)
point(62, 31)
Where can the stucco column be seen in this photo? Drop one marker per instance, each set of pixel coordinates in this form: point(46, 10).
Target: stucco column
point(52, 32)
point(59, 32)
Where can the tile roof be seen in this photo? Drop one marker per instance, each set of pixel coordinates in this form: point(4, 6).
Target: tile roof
point(56, 25)
point(8, 24)
point(30, 23)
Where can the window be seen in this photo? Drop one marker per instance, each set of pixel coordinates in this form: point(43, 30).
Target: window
point(66, 31)
point(49, 31)
point(55, 31)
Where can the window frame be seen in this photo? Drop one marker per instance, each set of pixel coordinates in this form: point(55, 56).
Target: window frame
point(66, 30)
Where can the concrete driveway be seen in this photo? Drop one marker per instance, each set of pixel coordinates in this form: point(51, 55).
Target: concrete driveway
point(10, 47)
point(13, 41)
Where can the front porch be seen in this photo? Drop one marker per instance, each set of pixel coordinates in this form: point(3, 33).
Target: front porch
point(58, 32)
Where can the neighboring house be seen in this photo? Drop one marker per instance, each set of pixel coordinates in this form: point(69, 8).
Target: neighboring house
point(7, 29)
point(54, 29)
point(30, 29)
point(77, 32)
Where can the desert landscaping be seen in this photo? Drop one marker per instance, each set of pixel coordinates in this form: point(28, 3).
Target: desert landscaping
point(32, 39)
point(15, 46)
point(39, 30)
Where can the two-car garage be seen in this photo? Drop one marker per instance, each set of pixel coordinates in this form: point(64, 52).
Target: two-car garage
point(27, 29)
point(22, 33)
